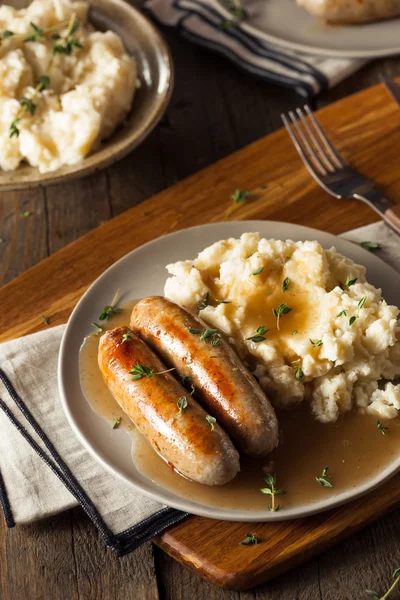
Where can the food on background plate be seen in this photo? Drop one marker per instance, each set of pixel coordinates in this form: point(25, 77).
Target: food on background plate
point(305, 319)
point(179, 430)
point(64, 87)
point(220, 380)
point(352, 11)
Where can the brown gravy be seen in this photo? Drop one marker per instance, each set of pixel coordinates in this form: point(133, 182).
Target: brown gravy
point(353, 448)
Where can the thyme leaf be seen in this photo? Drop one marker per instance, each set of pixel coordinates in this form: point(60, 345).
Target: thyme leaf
point(211, 420)
point(381, 428)
point(248, 540)
point(371, 246)
point(181, 404)
point(258, 271)
point(324, 480)
point(283, 309)
point(285, 284)
point(239, 195)
point(117, 422)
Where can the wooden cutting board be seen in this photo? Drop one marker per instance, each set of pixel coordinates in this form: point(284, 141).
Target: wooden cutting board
point(366, 128)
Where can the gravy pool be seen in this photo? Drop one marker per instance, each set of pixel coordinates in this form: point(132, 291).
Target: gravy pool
point(353, 448)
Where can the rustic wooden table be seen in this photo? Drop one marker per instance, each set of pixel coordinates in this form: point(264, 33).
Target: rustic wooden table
point(215, 110)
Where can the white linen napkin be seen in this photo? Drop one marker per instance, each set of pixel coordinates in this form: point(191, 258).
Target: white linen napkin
point(35, 482)
point(204, 22)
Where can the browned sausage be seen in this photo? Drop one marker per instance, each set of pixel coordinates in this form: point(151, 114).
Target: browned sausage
point(223, 384)
point(195, 448)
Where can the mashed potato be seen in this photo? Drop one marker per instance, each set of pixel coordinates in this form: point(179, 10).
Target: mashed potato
point(335, 338)
point(90, 92)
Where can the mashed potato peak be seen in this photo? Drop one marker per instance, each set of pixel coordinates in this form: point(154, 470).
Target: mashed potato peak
point(331, 348)
point(91, 90)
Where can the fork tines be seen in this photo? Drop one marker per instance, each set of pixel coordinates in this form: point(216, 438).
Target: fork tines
point(311, 142)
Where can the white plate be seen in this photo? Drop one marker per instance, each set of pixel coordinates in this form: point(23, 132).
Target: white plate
point(286, 24)
point(142, 273)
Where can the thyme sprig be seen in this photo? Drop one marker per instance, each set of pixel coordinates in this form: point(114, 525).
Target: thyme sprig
point(138, 371)
point(187, 383)
point(376, 596)
point(110, 309)
point(259, 335)
point(283, 309)
point(271, 490)
point(117, 422)
point(298, 373)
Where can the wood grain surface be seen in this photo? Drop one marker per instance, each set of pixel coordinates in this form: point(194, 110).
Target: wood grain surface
point(214, 111)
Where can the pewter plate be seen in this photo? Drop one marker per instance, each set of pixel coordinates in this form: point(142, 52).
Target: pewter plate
point(284, 23)
point(155, 72)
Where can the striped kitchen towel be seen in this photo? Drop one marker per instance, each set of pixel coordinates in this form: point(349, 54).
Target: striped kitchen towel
point(204, 22)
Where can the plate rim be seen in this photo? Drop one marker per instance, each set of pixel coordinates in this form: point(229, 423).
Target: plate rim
point(209, 511)
point(81, 169)
point(306, 48)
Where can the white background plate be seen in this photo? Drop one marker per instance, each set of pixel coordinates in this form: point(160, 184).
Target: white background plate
point(142, 273)
point(289, 25)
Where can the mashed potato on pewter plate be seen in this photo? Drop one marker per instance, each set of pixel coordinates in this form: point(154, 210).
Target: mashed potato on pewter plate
point(90, 89)
point(331, 336)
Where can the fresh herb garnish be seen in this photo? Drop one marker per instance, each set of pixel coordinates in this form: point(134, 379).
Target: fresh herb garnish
point(381, 428)
point(260, 334)
point(248, 540)
point(211, 335)
point(204, 302)
point(271, 490)
point(45, 319)
point(192, 330)
point(342, 313)
point(43, 83)
point(282, 309)
point(36, 34)
point(298, 373)
point(235, 7)
point(117, 422)
point(14, 130)
point(324, 479)
point(371, 246)
point(99, 329)
point(360, 305)
point(24, 214)
point(181, 404)
point(110, 309)
point(295, 331)
point(240, 195)
point(127, 336)
point(211, 420)
point(138, 371)
point(27, 103)
point(316, 343)
point(349, 282)
point(258, 271)
point(224, 301)
point(5, 34)
point(285, 284)
point(376, 596)
point(188, 385)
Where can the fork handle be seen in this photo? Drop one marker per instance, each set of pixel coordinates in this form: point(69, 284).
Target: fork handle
point(393, 216)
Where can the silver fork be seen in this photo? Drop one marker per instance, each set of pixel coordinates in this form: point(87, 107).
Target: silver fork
point(330, 169)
